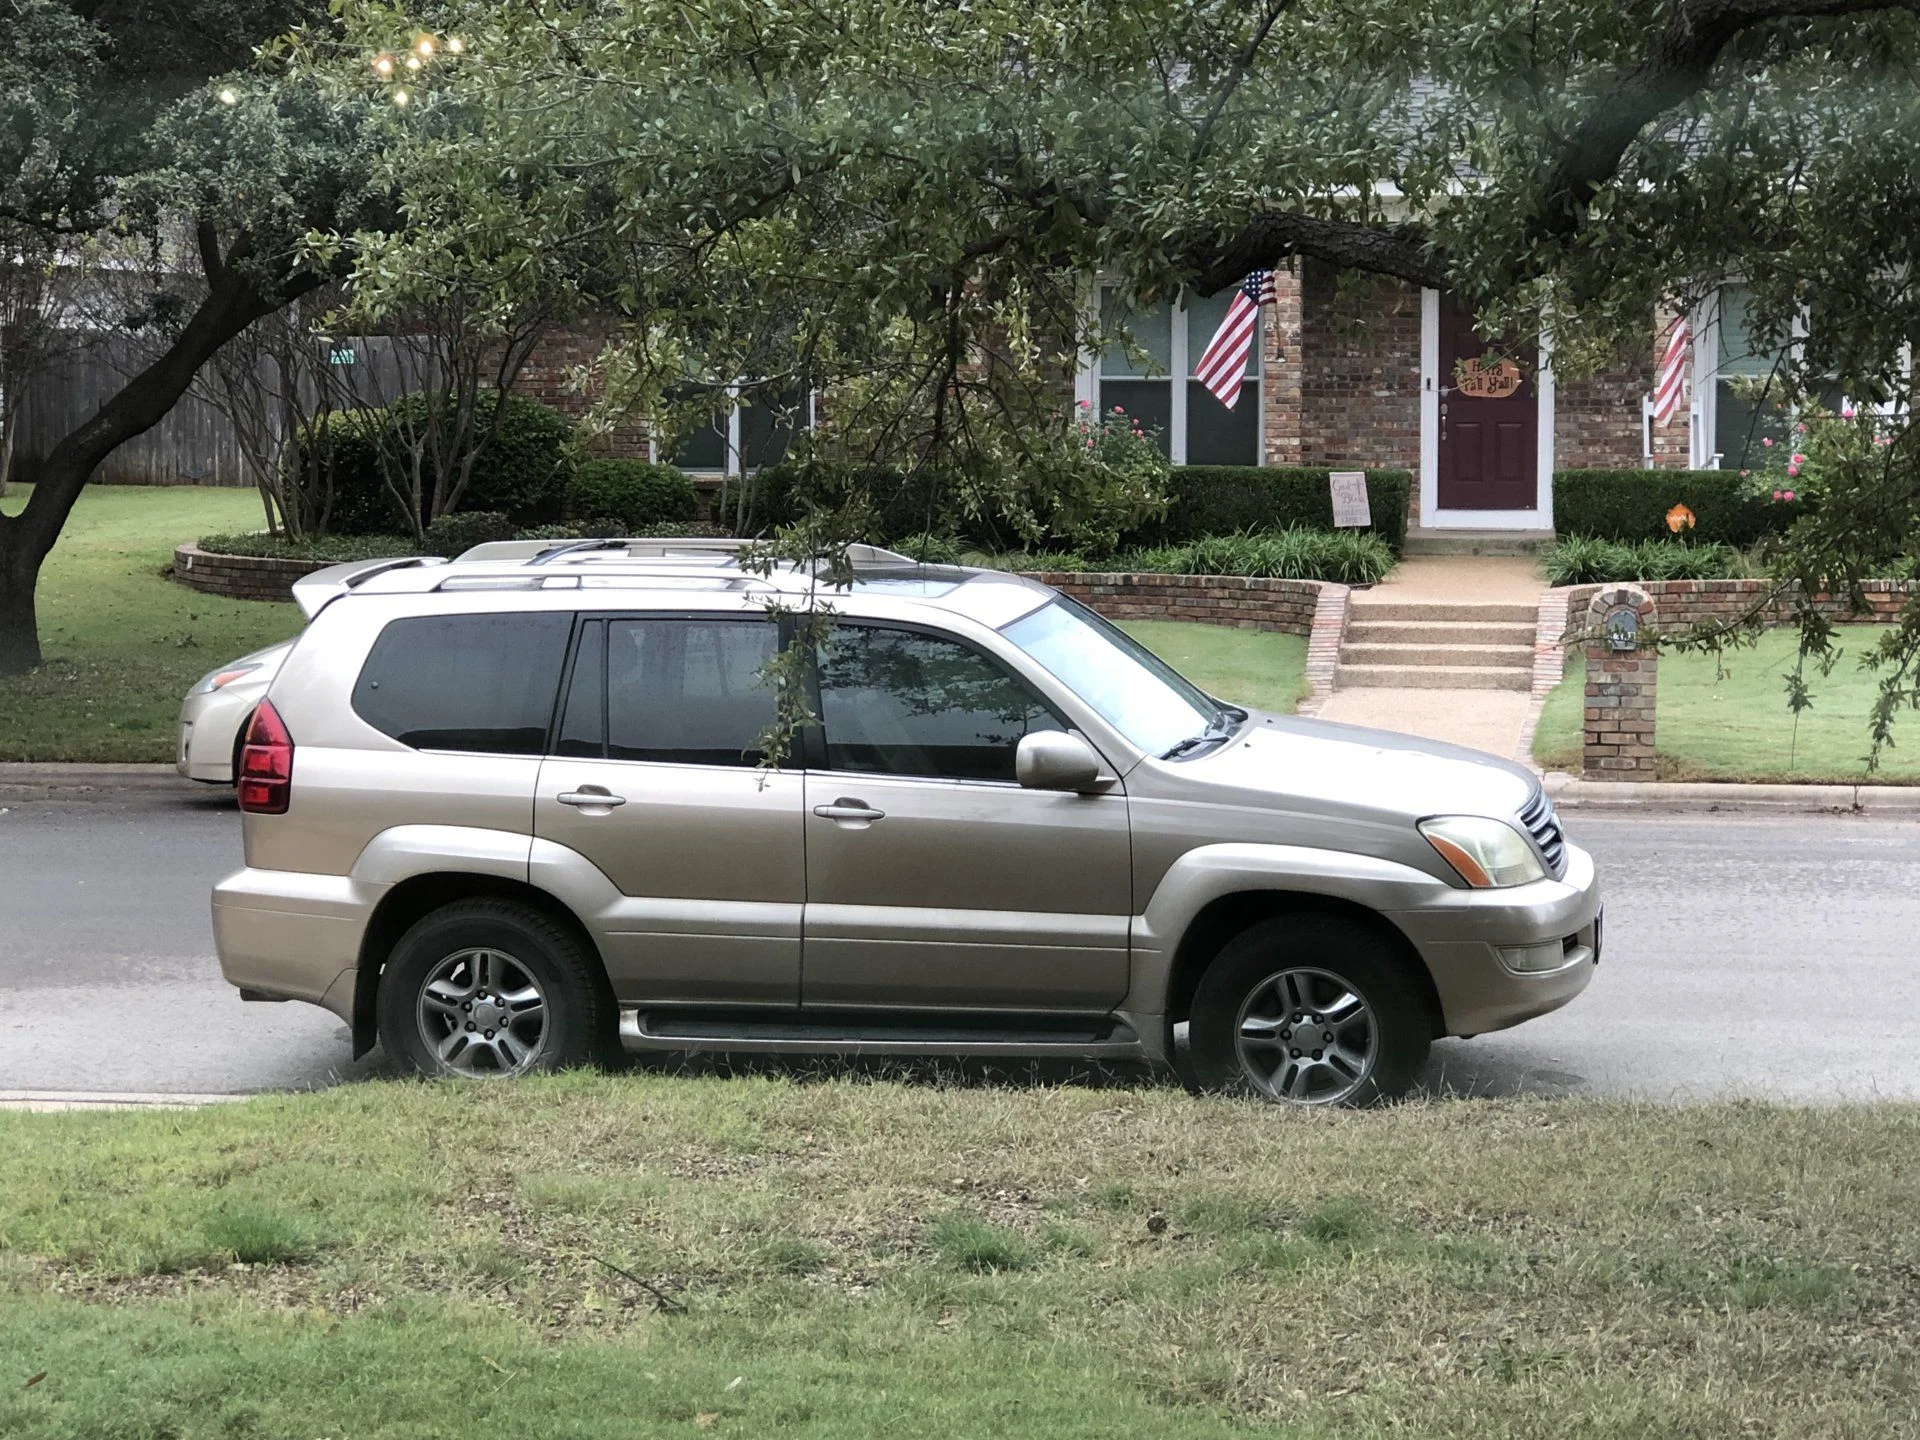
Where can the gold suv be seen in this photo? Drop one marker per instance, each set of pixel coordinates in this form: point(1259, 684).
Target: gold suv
point(507, 814)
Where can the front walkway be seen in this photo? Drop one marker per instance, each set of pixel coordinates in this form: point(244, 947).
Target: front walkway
point(1442, 648)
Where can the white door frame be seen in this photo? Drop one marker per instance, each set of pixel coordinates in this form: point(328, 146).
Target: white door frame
point(1432, 517)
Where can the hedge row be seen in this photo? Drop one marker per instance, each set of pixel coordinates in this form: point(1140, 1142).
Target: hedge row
point(1227, 499)
point(1631, 505)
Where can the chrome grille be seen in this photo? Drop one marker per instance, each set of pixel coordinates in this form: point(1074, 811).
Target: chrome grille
point(1544, 826)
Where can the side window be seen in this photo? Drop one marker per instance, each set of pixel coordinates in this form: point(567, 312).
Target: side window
point(465, 682)
point(898, 702)
point(688, 691)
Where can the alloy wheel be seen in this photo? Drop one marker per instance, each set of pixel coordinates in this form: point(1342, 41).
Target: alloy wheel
point(1307, 1037)
point(482, 1012)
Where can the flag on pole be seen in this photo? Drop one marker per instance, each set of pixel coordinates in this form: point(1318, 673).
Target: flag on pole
point(1670, 385)
point(1223, 364)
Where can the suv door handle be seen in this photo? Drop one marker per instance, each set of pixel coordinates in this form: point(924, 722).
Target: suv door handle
point(590, 797)
point(845, 811)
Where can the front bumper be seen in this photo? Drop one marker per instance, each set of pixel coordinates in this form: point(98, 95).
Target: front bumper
point(1461, 935)
point(283, 935)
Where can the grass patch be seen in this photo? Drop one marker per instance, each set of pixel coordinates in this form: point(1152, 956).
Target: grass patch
point(1728, 719)
point(122, 641)
point(967, 1242)
point(623, 1255)
point(1260, 668)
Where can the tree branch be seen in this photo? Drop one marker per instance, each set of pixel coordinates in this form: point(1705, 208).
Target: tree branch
point(1398, 250)
point(1679, 64)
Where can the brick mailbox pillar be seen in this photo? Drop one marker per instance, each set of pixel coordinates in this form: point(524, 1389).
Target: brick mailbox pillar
point(1622, 678)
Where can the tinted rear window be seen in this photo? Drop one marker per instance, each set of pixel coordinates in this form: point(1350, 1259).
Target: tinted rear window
point(465, 682)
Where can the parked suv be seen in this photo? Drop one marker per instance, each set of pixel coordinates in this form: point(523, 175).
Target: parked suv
point(504, 813)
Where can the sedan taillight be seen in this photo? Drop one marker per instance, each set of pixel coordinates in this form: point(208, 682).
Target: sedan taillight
point(266, 764)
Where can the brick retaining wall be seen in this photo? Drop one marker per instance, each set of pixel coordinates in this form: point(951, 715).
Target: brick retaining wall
point(241, 577)
point(1683, 603)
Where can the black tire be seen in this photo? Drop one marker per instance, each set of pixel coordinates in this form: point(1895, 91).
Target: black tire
point(1399, 1020)
point(575, 1018)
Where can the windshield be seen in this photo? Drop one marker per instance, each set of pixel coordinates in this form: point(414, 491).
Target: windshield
point(1133, 690)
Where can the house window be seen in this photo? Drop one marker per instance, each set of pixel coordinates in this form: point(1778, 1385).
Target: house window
point(740, 437)
point(1191, 426)
point(1743, 408)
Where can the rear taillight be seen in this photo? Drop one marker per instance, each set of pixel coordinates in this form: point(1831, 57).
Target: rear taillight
point(266, 764)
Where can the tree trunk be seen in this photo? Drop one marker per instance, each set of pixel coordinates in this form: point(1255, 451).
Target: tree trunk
point(19, 630)
point(232, 303)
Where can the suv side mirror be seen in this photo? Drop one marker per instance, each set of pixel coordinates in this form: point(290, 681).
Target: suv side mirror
point(1055, 760)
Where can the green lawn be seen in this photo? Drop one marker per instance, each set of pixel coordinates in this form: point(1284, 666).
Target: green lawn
point(122, 641)
point(849, 1257)
point(1254, 667)
point(1736, 725)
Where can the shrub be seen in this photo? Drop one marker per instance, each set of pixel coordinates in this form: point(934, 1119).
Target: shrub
point(632, 492)
point(1347, 556)
point(931, 549)
point(1632, 505)
point(457, 533)
point(330, 549)
point(1233, 499)
point(1584, 560)
point(521, 473)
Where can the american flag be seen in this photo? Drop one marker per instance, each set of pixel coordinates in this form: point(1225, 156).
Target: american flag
point(1223, 364)
point(1673, 369)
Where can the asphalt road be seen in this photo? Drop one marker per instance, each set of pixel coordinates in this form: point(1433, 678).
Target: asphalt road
point(1769, 956)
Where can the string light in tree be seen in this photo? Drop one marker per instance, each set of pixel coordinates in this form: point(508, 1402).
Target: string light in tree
point(229, 96)
point(383, 65)
point(400, 98)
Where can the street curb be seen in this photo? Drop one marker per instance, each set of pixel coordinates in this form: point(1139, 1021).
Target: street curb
point(56, 1100)
point(1570, 793)
point(38, 777)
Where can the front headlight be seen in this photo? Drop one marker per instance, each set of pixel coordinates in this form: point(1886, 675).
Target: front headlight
point(217, 679)
point(1486, 853)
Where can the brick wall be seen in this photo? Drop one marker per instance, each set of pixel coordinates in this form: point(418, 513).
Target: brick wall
point(241, 577)
point(1244, 601)
point(1359, 361)
point(547, 377)
point(1281, 399)
point(1683, 603)
point(1617, 734)
point(1596, 420)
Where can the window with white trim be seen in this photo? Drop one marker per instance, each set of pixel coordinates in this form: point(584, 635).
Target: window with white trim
point(1190, 424)
point(1740, 407)
point(741, 437)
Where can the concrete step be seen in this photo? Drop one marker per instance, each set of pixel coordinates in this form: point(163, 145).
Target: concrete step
point(1426, 656)
point(1433, 677)
point(1483, 611)
point(1438, 632)
point(1421, 541)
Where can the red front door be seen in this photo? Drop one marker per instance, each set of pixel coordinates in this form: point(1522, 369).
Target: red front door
point(1489, 420)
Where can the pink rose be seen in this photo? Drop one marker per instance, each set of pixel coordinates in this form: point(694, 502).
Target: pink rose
point(1846, 412)
point(1779, 495)
point(1086, 404)
point(1789, 495)
point(1119, 409)
point(1883, 439)
point(1767, 441)
point(1793, 469)
point(1798, 458)
point(1800, 429)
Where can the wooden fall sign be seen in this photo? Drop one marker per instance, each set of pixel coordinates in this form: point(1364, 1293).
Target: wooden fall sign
point(1489, 382)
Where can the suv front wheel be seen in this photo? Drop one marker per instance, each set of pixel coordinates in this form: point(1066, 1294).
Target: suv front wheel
point(1309, 1010)
point(489, 988)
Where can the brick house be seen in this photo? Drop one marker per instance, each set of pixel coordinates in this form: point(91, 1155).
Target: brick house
point(1363, 372)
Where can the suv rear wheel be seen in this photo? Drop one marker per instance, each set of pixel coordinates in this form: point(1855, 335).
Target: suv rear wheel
point(489, 988)
point(1309, 1010)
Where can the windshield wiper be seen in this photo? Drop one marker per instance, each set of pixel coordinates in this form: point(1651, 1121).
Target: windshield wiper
point(1225, 721)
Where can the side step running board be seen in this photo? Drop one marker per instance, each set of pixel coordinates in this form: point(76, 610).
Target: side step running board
point(657, 1030)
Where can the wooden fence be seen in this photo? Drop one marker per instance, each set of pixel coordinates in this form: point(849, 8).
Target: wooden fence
point(195, 444)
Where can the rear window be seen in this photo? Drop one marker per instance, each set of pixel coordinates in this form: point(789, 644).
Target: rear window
point(465, 682)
